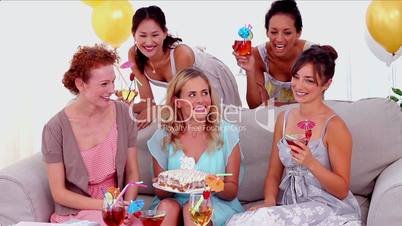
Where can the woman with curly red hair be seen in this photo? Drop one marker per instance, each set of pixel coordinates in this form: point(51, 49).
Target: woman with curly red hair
point(90, 144)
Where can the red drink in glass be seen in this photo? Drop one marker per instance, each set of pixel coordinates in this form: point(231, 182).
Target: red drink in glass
point(242, 47)
point(113, 216)
point(299, 137)
point(152, 217)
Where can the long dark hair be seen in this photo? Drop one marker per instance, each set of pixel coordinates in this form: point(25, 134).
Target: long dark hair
point(288, 7)
point(156, 14)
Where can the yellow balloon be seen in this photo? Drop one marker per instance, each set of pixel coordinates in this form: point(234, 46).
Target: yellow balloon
point(384, 22)
point(111, 21)
point(92, 3)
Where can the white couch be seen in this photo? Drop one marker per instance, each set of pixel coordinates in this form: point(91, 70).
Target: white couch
point(376, 177)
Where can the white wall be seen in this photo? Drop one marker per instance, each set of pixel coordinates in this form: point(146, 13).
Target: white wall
point(38, 38)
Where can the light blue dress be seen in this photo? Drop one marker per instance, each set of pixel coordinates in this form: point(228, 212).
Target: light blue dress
point(210, 162)
point(302, 199)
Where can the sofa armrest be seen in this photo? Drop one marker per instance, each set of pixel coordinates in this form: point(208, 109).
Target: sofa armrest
point(386, 201)
point(25, 193)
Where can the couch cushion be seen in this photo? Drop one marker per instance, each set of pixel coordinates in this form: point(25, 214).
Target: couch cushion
point(25, 192)
point(375, 124)
point(376, 127)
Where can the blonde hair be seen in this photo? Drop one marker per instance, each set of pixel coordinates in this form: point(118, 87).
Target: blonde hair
point(174, 124)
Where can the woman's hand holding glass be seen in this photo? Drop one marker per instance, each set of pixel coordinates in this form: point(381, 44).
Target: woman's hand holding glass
point(246, 62)
point(301, 153)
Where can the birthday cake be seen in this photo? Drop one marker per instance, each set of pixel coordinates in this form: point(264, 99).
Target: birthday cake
point(181, 180)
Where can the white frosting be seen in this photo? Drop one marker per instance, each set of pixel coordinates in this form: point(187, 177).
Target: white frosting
point(185, 178)
point(187, 163)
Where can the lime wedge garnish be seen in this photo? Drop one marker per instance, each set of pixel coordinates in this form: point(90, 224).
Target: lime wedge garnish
point(109, 198)
point(250, 35)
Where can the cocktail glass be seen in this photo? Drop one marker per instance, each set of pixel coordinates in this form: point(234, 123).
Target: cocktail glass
point(200, 211)
point(113, 215)
point(242, 48)
point(152, 217)
point(301, 137)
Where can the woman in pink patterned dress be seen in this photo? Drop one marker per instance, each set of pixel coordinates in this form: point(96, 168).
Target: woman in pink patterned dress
point(90, 144)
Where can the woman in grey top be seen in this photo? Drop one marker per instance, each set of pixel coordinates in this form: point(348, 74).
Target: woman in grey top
point(308, 184)
point(89, 145)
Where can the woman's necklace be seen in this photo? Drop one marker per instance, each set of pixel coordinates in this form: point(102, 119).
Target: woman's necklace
point(156, 65)
point(152, 67)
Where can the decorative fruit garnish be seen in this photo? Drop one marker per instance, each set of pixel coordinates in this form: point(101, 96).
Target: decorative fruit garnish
point(109, 198)
point(206, 194)
point(214, 183)
point(137, 214)
point(124, 93)
point(114, 192)
point(308, 134)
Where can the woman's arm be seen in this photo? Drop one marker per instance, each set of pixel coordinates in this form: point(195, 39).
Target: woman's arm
point(231, 182)
point(65, 197)
point(132, 173)
point(183, 57)
point(157, 170)
point(339, 143)
point(256, 93)
point(275, 170)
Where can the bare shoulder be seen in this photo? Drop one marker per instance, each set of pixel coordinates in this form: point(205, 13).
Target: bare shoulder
point(183, 50)
point(131, 52)
point(183, 56)
point(337, 123)
point(338, 130)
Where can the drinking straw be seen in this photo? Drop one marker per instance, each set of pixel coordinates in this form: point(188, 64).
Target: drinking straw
point(197, 205)
point(223, 174)
point(139, 184)
point(124, 80)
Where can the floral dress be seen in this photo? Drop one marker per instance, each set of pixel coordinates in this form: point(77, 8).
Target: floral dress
point(210, 162)
point(302, 200)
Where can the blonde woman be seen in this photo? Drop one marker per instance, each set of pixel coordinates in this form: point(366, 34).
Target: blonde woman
point(193, 132)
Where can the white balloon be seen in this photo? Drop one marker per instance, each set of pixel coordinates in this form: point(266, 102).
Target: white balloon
point(379, 51)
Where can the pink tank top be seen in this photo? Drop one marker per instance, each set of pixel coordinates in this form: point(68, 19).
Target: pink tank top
point(100, 162)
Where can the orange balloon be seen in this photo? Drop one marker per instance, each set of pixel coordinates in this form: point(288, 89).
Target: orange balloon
point(111, 21)
point(384, 22)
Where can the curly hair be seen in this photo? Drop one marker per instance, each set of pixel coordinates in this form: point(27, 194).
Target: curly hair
point(288, 7)
point(84, 60)
point(173, 119)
